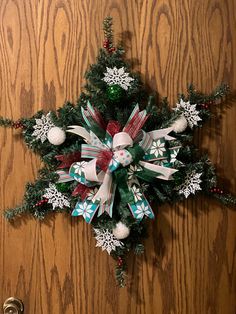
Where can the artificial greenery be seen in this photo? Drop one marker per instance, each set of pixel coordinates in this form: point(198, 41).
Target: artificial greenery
point(118, 107)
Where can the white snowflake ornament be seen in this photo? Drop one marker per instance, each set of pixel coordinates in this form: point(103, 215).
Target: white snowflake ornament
point(118, 76)
point(106, 240)
point(190, 112)
point(42, 127)
point(56, 198)
point(191, 184)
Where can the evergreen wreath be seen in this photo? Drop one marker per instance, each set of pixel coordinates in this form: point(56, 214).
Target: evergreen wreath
point(115, 152)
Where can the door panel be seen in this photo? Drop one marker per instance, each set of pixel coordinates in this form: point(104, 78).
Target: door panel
point(53, 266)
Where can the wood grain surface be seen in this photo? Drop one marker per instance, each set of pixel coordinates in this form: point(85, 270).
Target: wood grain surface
point(190, 261)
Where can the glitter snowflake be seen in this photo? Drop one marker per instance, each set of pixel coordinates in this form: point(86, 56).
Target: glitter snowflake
point(42, 126)
point(118, 76)
point(191, 184)
point(106, 240)
point(56, 198)
point(190, 112)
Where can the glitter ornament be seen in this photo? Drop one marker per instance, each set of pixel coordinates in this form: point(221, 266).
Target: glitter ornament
point(190, 112)
point(117, 76)
point(191, 184)
point(121, 231)
point(56, 198)
point(115, 92)
point(56, 136)
point(62, 187)
point(106, 240)
point(42, 126)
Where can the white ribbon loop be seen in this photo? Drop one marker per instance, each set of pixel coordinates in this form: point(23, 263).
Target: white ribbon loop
point(90, 172)
point(122, 140)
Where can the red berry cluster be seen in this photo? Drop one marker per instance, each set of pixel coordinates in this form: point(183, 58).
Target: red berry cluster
point(107, 46)
point(42, 202)
point(216, 190)
point(119, 261)
point(17, 125)
point(205, 106)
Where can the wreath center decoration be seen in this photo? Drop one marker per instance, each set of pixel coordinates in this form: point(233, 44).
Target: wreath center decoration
point(108, 157)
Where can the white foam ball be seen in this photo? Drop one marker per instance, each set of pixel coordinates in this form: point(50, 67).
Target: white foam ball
point(56, 136)
point(180, 124)
point(121, 231)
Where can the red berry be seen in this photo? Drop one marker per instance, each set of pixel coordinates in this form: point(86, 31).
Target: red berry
point(106, 43)
point(120, 261)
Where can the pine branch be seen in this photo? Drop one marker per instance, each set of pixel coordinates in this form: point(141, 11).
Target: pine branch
point(7, 123)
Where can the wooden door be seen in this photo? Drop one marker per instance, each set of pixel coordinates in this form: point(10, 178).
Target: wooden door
point(190, 261)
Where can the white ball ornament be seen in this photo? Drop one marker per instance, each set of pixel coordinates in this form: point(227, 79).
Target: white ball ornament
point(56, 136)
point(180, 124)
point(121, 231)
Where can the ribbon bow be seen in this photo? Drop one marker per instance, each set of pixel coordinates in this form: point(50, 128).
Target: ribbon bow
point(117, 159)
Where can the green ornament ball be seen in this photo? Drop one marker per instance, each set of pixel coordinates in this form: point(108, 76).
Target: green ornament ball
point(115, 92)
point(62, 187)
